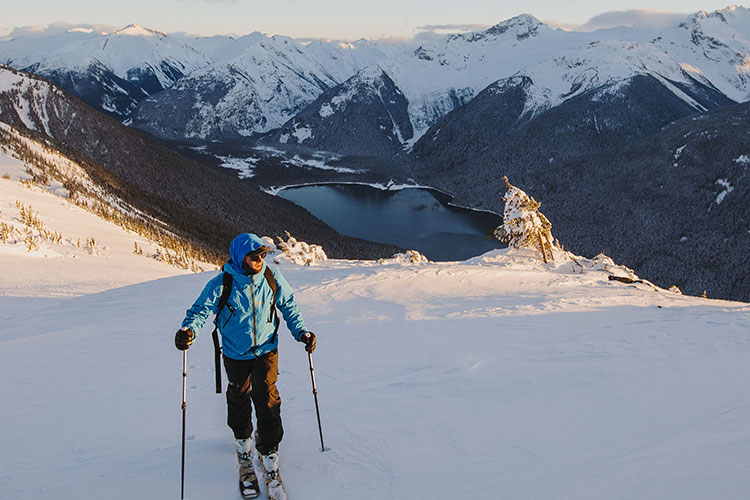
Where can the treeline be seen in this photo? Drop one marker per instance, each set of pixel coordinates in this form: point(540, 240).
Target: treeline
point(177, 251)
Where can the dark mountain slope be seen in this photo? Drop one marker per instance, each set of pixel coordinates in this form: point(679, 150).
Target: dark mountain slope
point(365, 116)
point(197, 202)
point(649, 197)
point(495, 129)
point(98, 87)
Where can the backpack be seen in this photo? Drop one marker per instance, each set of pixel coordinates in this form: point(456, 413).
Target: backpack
point(224, 302)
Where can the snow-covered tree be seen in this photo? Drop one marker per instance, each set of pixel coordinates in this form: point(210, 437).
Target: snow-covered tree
point(523, 224)
point(409, 257)
point(298, 252)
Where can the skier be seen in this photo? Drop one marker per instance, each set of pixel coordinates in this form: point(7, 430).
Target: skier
point(248, 327)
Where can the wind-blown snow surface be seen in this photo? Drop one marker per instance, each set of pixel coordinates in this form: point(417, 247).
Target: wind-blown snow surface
point(498, 377)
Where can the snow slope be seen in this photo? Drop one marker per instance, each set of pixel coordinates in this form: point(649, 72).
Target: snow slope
point(70, 266)
point(498, 377)
point(714, 48)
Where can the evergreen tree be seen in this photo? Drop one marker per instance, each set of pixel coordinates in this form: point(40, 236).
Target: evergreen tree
point(523, 224)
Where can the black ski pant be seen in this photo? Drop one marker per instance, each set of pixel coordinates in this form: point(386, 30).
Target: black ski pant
point(252, 382)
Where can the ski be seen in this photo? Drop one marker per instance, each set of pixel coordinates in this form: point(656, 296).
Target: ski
point(246, 457)
point(249, 487)
point(274, 486)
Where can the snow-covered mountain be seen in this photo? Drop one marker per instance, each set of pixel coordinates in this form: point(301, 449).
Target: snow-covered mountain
point(246, 85)
point(257, 85)
point(610, 92)
point(704, 58)
point(447, 73)
point(110, 71)
point(223, 88)
point(342, 119)
point(434, 79)
point(703, 61)
point(714, 49)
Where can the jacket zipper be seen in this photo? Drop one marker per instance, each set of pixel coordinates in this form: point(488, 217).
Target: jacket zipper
point(252, 297)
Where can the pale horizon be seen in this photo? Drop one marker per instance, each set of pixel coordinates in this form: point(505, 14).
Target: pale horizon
point(327, 20)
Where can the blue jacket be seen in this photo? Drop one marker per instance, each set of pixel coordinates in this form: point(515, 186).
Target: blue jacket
point(248, 331)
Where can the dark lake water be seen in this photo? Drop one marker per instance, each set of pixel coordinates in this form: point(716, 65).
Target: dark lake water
point(417, 219)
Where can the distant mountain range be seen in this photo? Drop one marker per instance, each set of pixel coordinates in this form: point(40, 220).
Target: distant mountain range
point(565, 115)
point(178, 87)
point(704, 62)
point(221, 88)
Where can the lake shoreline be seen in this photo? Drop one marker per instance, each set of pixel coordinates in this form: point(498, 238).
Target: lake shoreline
point(275, 190)
point(406, 215)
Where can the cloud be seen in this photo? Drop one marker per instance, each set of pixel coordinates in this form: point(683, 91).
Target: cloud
point(642, 18)
point(58, 28)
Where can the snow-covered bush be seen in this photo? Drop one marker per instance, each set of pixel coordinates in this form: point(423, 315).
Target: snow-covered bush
point(409, 257)
point(523, 224)
point(298, 252)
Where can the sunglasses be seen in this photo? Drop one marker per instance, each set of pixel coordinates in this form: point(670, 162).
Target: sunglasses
point(258, 256)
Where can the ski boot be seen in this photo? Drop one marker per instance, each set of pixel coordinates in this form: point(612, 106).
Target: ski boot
point(274, 486)
point(248, 478)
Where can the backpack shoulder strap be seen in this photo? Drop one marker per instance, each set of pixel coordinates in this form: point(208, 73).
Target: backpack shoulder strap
point(271, 282)
point(225, 291)
point(223, 301)
point(274, 287)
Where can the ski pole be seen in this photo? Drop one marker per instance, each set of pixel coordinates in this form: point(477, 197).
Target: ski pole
point(184, 407)
point(315, 394)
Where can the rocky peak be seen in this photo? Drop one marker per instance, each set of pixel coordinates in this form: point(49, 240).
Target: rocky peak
point(138, 30)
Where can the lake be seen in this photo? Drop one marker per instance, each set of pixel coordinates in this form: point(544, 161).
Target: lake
point(412, 218)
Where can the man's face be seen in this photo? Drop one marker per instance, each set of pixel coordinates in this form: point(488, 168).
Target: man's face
point(254, 262)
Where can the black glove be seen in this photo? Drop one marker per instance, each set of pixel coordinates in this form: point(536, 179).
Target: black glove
point(309, 340)
point(183, 338)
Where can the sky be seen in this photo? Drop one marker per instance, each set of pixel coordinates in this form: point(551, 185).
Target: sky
point(334, 19)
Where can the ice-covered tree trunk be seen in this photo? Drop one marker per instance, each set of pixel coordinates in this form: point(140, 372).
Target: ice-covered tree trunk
point(523, 224)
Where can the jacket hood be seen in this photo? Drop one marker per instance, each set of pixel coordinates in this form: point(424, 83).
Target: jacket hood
point(242, 245)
